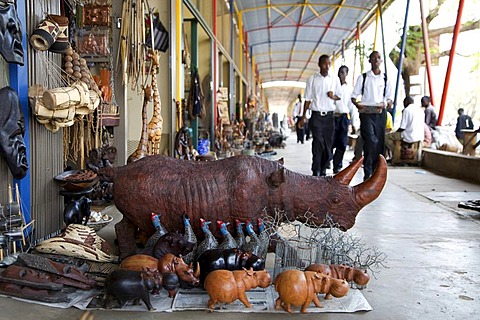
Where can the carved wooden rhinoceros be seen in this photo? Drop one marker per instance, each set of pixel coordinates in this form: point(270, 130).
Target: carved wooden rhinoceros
point(242, 188)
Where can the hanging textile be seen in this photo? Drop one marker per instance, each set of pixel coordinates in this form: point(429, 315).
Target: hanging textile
point(196, 106)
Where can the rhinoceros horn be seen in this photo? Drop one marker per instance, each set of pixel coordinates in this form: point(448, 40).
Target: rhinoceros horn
point(370, 189)
point(346, 175)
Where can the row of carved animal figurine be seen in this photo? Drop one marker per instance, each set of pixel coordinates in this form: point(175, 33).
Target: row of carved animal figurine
point(140, 276)
point(295, 288)
point(161, 265)
point(257, 244)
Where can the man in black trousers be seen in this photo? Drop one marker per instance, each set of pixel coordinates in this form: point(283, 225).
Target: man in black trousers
point(320, 93)
point(372, 95)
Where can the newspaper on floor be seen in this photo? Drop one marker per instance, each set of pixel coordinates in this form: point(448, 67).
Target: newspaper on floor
point(262, 300)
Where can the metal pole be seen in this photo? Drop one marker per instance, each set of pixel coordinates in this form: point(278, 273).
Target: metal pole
point(19, 82)
point(194, 67)
point(426, 47)
point(456, 31)
point(178, 60)
point(232, 91)
point(383, 36)
point(214, 75)
point(400, 60)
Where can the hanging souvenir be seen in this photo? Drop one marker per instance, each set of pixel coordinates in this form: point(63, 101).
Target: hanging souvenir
point(12, 130)
point(61, 43)
point(96, 15)
point(44, 35)
point(11, 47)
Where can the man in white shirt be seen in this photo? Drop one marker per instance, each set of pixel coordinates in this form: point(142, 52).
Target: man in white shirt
point(412, 125)
point(343, 112)
point(376, 95)
point(297, 116)
point(320, 93)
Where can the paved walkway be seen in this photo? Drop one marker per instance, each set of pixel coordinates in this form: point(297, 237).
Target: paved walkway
point(433, 252)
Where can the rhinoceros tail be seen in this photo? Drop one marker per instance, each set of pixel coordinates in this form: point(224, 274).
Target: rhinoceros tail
point(107, 173)
point(370, 189)
point(347, 174)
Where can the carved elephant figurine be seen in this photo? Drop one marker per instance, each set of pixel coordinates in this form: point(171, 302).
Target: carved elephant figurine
point(227, 286)
point(299, 288)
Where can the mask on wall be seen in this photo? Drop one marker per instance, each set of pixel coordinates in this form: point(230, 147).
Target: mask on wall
point(11, 47)
point(12, 130)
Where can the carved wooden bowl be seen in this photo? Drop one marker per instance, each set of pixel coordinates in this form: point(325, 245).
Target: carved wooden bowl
point(76, 180)
point(99, 224)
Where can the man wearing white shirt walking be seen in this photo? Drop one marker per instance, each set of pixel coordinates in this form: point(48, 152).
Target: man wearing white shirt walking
point(376, 95)
point(320, 92)
point(297, 116)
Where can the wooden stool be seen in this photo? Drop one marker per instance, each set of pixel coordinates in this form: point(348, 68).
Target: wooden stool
point(407, 152)
point(470, 141)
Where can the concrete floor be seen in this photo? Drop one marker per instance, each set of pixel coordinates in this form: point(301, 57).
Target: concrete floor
point(432, 247)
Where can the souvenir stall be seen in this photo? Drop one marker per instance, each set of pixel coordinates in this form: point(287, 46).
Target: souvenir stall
point(189, 235)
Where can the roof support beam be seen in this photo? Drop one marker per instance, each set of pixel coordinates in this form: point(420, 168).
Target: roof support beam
point(456, 31)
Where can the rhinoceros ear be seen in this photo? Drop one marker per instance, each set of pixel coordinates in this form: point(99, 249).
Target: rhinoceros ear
point(276, 178)
point(281, 161)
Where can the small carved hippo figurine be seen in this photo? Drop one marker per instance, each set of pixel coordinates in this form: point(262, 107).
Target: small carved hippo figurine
point(340, 271)
point(75, 210)
point(125, 285)
point(167, 264)
point(227, 286)
point(299, 288)
point(228, 259)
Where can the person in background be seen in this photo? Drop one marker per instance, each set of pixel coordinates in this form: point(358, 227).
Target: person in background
point(464, 121)
point(427, 136)
point(376, 95)
point(411, 127)
point(320, 93)
point(343, 112)
point(430, 114)
point(297, 116)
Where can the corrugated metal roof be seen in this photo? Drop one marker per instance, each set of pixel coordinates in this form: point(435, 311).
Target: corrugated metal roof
point(287, 37)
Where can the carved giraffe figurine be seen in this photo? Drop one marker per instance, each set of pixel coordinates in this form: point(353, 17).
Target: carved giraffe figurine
point(156, 123)
point(141, 151)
